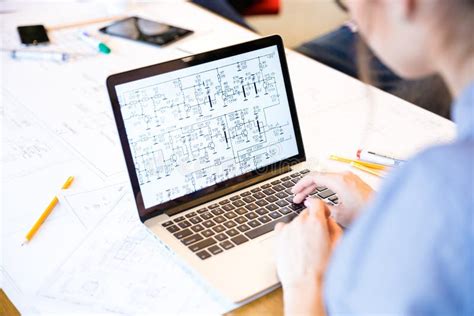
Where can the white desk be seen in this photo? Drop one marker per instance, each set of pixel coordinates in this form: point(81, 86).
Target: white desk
point(57, 122)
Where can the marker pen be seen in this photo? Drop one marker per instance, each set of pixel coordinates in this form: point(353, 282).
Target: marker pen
point(370, 156)
point(86, 37)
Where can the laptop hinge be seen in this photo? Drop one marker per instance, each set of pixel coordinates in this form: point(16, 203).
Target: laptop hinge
point(228, 190)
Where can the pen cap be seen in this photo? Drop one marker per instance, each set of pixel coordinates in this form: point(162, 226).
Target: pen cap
point(104, 49)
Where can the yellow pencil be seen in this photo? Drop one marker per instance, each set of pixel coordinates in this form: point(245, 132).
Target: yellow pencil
point(46, 213)
point(367, 169)
point(363, 163)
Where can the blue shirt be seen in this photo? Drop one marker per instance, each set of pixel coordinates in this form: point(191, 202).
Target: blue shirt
point(412, 250)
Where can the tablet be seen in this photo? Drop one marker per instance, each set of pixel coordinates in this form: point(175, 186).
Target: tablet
point(147, 31)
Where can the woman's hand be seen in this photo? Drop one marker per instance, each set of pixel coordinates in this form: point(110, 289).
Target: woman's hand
point(303, 248)
point(353, 193)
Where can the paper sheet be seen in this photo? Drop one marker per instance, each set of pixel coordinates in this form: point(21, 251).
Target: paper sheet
point(120, 245)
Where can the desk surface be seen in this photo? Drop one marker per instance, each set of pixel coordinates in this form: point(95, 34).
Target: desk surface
point(57, 117)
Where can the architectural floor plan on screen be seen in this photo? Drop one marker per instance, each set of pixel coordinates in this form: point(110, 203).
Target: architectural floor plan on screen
point(191, 128)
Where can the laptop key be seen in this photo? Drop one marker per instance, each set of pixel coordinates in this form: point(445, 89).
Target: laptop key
point(239, 239)
point(243, 227)
point(202, 244)
point(274, 214)
point(288, 184)
point(215, 250)
point(261, 211)
point(195, 219)
point(320, 189)
point(266, 186)
point(219, 219)
point(228, 207)
point(197, 228)
point(255, 190)
point(232, 232)
point(207, 233)
point(285, 178)
point(172, 228)
point(259, 231)
point(223, 202)
point(251, 207)
point(249, 199)
point(294, 175)
point(272, 199)
point(208, 223)
point(245, 194)
point(290, 199)
point(191, 239)
point(333, 198)
point(264, 219)
point(258, 195)
point(203, 254)
point(179, 219)
point(281, 195)
point(221, 237)
point(269, 191)
point(251, 215)
point(261, 203)
point(305, 171)
point(230, 215)
point(206, 216)
point(296, 207)
point(238, 203)
point(234, 198)
point(278, 188)
point(202, 210)
point(166, 224)
point(325, 194)
point(218, 228)
point(282, 203)
point(241, 211)
point(212, 206)
point(230, 224)
point(254, 223)
point(183, 233)
point(271, 207)
point(217, 211)
point(241, 219)
point(184, 224)
point(226, 244)
point(285, 210)
point(275, 182)
point(191, 214)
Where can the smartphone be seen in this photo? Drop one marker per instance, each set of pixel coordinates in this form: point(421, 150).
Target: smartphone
point(33, 34)
point(143, 30)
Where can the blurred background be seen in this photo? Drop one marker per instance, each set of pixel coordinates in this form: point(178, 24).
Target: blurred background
point(299, 20)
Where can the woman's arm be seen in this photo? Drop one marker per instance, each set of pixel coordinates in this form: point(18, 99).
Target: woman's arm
point(303, 248)
point(304, 299)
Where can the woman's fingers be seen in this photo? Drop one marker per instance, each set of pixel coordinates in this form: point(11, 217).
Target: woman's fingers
point(335, 181)
point(300, 196)
point(279, 226)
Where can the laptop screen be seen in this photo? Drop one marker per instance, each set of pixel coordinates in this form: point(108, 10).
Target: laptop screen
point(195, 127)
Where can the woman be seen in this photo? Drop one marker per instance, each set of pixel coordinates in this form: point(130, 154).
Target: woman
point(410, 250)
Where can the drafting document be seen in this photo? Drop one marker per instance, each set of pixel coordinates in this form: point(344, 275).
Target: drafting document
point(62, 126)
point(120, 245)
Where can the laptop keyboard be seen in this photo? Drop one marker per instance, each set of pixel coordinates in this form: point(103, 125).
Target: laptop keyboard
point(233, 221)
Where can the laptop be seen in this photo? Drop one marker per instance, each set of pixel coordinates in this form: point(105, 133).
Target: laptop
point(213, 147)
